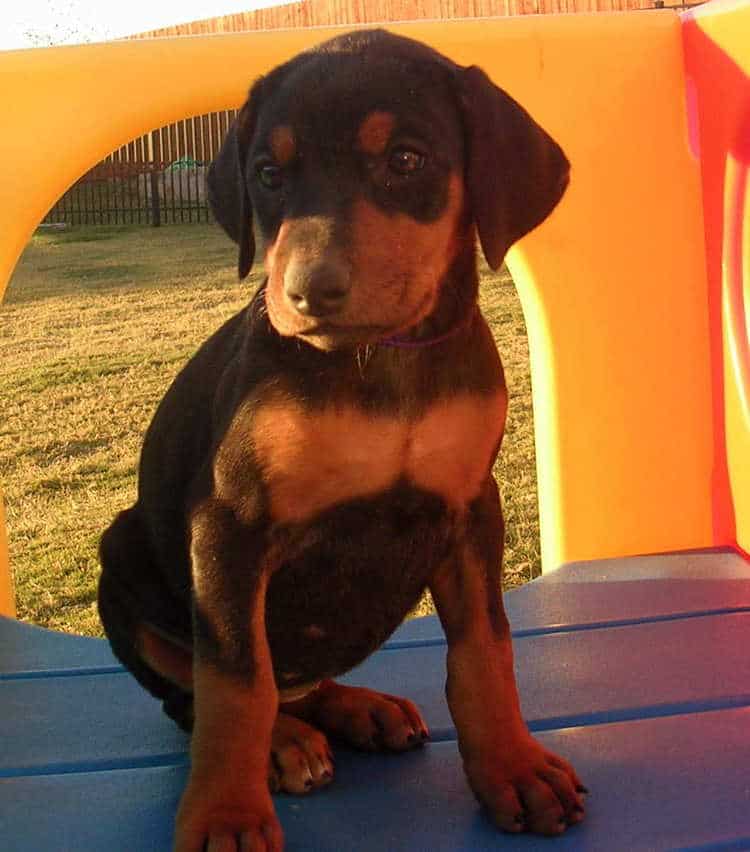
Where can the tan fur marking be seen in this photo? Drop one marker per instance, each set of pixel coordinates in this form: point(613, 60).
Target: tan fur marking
point(453, 445)
point(272, 248)
point(398, 262)
point(313, 460)
point(375, 131)
point(297, 693)
point(459, 589)
point(283, 144)
point(166, 657)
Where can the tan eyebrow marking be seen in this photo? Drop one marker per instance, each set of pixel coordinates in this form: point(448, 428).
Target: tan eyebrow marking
point(283, 144)
point(375, 131)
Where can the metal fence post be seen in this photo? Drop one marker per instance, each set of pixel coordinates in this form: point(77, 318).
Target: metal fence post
point(155, 204)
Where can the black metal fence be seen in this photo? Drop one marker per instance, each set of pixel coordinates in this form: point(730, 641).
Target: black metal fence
point(159, 178)
point(136, 194)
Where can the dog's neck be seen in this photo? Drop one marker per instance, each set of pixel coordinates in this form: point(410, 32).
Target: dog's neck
point(405, 342)
point(447, 352)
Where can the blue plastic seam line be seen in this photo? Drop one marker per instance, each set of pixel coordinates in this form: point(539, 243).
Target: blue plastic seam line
point(556, 629)
point(625, 714)
point(42, 673)
point(634, 714)
point(177, 758)
point(736, 844)
point(628, 622)
point(442, 735)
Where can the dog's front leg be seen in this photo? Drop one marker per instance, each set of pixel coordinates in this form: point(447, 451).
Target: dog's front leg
point(227, 806)
point(521, 784)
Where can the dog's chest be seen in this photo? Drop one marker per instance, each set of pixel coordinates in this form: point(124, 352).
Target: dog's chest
point(312, 460)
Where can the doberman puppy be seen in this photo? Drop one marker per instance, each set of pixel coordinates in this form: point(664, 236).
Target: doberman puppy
point(327, 454)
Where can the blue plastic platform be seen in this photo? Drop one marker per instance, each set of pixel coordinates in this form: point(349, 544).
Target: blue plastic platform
point(637, 670)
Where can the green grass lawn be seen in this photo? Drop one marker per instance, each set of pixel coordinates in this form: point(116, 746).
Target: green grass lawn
point(94, 325)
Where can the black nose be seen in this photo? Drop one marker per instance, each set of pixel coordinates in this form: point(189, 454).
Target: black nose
point(317, 289)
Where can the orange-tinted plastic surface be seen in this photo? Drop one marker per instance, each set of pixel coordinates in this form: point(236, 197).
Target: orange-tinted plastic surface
point(717, 54)
point(7, 598)
point(613, 285)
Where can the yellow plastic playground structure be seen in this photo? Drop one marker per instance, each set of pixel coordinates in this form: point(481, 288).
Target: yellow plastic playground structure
point(636, 292)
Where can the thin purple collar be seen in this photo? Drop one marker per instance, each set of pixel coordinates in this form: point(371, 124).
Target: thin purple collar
point(405, 343)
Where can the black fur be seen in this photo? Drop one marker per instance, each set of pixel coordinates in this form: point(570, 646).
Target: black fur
point(362, 564)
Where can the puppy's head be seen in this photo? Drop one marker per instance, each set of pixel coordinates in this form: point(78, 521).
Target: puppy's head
point(367, 165)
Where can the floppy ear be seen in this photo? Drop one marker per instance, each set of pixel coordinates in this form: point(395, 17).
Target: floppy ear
point(515, 173)
point(227, 189)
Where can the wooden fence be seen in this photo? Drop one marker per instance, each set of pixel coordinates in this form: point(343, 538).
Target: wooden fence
point(159, 178)
point(317, 13)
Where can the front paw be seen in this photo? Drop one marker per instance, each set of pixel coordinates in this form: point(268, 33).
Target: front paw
point(369, 720)
point(301, 759)
point(212, 818)
point(524, 787)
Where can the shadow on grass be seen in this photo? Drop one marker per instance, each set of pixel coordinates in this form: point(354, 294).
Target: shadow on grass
point(92, 260)
point(84, 235)
point(53, 450)
point(91, 276)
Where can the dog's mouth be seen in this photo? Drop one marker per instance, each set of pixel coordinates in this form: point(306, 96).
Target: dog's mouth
point(329, 335)
point(332, 333)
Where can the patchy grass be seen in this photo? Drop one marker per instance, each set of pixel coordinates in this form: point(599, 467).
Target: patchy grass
point(95, 324)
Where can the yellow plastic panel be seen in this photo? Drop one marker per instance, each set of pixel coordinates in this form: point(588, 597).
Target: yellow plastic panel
point(717, 52)
point(613, 285)
point(614, 292)
point(7, 599)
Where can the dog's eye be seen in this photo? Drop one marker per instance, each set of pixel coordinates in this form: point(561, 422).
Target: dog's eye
point(404, 161)
point(270, 176)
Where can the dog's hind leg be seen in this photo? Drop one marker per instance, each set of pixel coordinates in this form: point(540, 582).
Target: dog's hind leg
point(131, 596)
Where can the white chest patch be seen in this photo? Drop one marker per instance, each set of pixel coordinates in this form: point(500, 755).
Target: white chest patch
point(312, 460)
